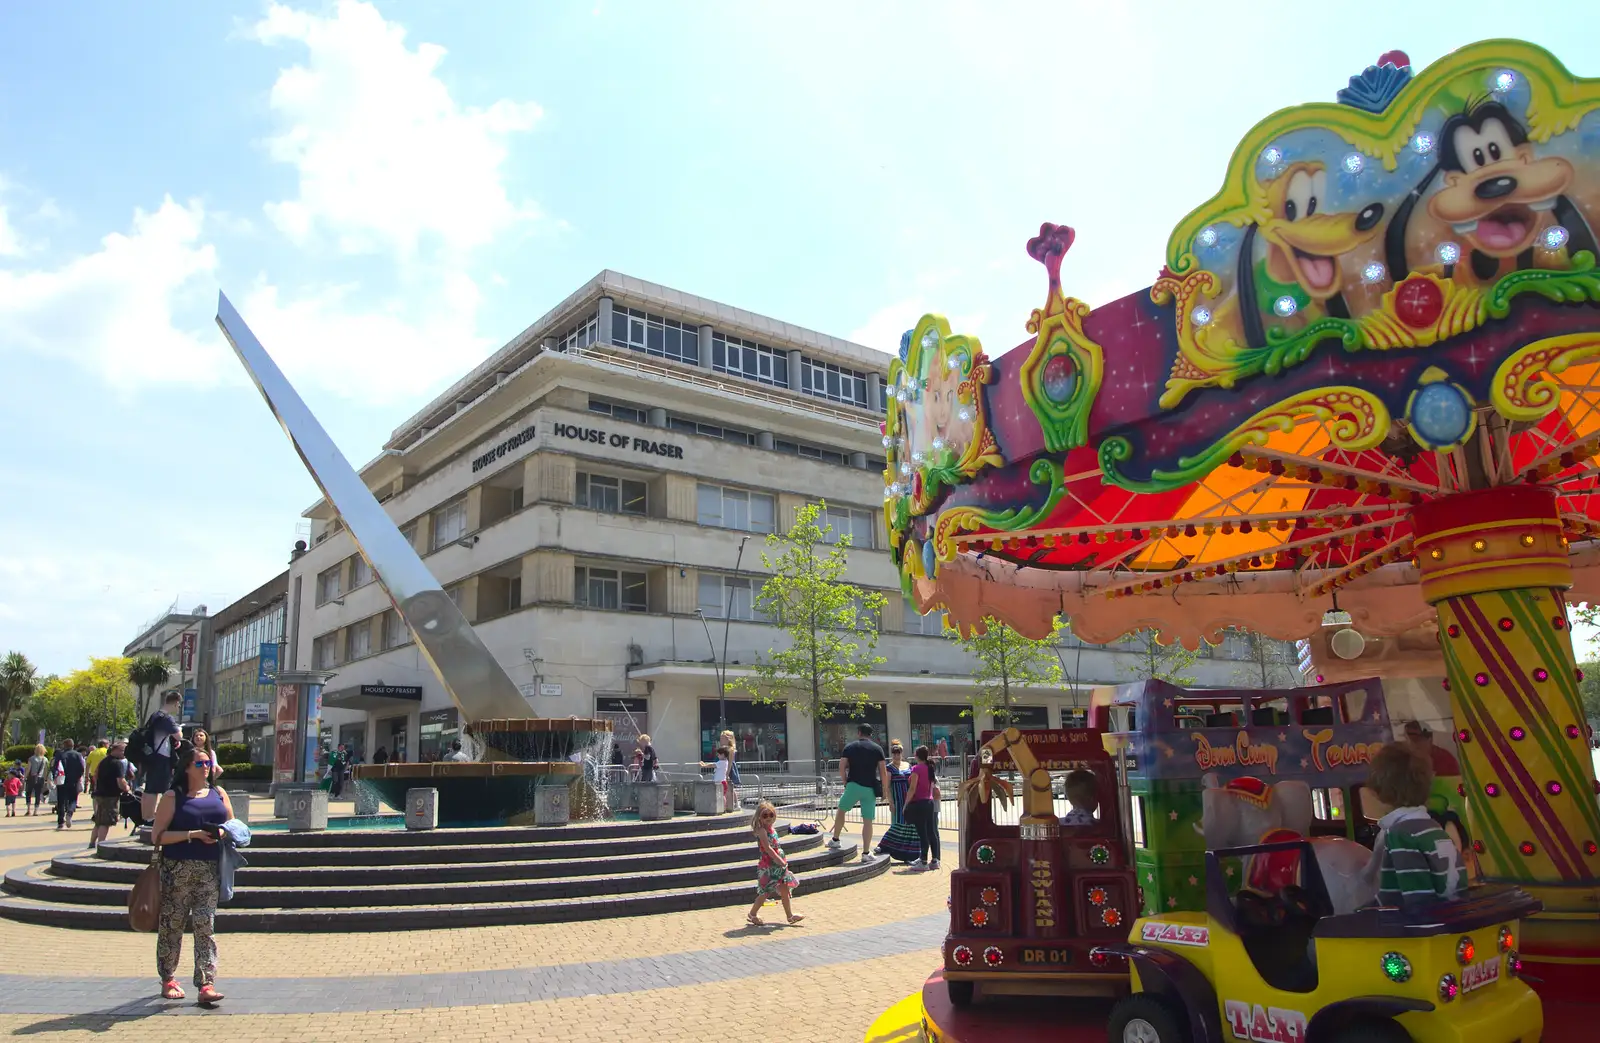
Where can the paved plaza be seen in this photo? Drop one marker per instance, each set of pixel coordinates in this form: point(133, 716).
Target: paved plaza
point(677, 977)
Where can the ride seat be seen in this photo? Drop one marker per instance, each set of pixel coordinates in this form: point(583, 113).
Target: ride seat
point(1317, 715)
point(1278, 941)
point(1221, 720)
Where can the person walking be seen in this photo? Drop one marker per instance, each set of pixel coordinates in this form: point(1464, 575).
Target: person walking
point(68, 768)
point(111, 784)
point(185, 834)
point(865, 778)
point(922, 810)
point(33, 784)
point(155, 760)
point(900, 841)
point(773, 879)
point(456, 753)
point(732, 794)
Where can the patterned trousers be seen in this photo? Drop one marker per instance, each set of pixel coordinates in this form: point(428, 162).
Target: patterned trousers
point(189, 891)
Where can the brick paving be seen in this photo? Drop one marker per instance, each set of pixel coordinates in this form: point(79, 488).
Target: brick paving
point(676, 977)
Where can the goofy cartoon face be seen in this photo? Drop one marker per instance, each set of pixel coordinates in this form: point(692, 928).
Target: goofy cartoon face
point(1304, 241)
point(1495, 192)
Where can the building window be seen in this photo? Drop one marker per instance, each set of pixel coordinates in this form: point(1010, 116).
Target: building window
point(861, 526)
point(409, 531)
point(360, 641)
point(696, 427)
point(395, 632)
point(456, 592)
point(360, 572)
point(580, 336)
point(655, 335)
point(325, 651)
point(328, 587)
point(731, 597)
point(449, 523)
point(736, 509)
point(602, 492)
point(609, 589)
point(930, 625)
point(835, 383)
point(618, 411)
point(747, 359)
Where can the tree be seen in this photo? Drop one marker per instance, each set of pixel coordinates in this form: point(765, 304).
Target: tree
point(149, 672)
point(18, 680)
point(79, 705)
point(832, 626)
point(1269, 663)
point(1157, 661)
point(1589, 690)
point(1006, 663)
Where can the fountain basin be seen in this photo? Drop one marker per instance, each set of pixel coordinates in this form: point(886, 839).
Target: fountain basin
point(541, 738)
point(471, 792)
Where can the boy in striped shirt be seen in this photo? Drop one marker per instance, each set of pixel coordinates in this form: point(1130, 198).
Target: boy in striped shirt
point(1416, 860)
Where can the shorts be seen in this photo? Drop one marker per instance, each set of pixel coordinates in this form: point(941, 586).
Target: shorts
point(11, 799)
point(157, 775)
point(856, 794)
point(107, 810)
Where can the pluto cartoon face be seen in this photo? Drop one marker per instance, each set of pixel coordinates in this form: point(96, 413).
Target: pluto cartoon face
point(1495, 194)
point(1304, 240)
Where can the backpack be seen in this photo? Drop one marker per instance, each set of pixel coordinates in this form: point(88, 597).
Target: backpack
point(138, 739)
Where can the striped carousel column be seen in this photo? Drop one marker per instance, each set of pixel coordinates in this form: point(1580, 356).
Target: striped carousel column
point(1494, 566)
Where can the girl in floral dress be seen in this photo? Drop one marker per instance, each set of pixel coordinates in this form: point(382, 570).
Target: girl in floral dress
point(773, 879)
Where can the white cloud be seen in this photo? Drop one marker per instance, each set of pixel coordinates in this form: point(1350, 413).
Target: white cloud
point(387, 159)
point(10, 245)
point(379, 356)
point(113, 311)
point(883, 329)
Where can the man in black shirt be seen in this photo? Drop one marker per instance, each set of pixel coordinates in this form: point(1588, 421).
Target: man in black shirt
point(110, 784)
point(864, 772)
point(69, 762)
point(161, 736)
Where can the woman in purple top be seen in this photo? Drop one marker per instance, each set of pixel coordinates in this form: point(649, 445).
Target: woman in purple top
point(185, 836)
point(922, 810)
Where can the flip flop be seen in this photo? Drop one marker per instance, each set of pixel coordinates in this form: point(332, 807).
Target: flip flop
point(172, 991)
point(209, 996)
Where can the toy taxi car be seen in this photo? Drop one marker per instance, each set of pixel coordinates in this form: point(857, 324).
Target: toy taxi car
point(1282, 969)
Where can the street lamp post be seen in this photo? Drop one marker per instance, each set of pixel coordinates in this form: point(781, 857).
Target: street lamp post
point(719, 666)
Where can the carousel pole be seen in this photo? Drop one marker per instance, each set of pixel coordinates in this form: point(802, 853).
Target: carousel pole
point(1494, 565)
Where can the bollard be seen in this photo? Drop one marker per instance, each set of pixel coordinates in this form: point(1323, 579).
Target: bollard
point(655, 801)
point(551, 806)
point(241, 806)
point(707, 797)
point(422, 808)
point(307, 811)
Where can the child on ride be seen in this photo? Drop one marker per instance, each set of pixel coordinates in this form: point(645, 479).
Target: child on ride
point(1415, 862)
point(1084, 795)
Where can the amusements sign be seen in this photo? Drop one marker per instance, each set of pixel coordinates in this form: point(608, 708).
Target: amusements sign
point(1336, 752)
point(1057, 749)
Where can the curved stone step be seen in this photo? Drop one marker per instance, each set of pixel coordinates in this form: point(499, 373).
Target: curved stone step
point(330, 873)
point(477, 836)
point(270, 850)
point(35, 881)
point(416, 917)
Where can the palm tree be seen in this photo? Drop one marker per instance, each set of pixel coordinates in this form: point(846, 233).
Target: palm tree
point(149, 672)
point(18, 678)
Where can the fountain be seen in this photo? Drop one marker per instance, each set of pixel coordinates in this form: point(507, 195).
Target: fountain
point(522, 758)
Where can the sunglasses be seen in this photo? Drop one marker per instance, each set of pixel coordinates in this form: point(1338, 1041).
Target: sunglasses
point(202, 762)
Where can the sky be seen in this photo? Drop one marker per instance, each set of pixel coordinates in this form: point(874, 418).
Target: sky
point(389, 192)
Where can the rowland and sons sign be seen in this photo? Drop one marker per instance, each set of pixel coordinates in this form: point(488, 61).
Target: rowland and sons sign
point(592, 435)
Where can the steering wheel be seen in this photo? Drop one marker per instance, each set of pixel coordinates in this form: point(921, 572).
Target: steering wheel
point(1297, 901)
point(1257, 910)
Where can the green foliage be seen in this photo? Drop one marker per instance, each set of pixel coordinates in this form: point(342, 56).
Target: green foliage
point(1270, 663)
point(245, 772)
point(20, 752)
point(148, 672)
point(1008, 662)
point(1589, 690)
point(78, 705)
point(233, 752)
point(1159, 662)
point(832, 626)
point(19, 679)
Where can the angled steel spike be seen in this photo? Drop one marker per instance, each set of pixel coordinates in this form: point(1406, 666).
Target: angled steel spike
point(480, 688)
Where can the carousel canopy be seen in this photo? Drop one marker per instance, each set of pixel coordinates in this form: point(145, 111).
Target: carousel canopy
point(1392, 298)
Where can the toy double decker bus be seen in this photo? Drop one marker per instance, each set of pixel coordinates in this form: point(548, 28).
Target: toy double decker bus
point(1035, 898)
point(1174, 741)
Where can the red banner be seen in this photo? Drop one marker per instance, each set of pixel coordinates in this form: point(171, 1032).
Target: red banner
point(186, 652)
point(286, 709)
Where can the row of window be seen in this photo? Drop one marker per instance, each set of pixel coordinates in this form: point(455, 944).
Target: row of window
point(237, 644)
point(655, 335)
point(331, 582)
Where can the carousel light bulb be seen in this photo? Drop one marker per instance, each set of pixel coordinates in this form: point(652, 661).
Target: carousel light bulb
point(905, 468)
point(1421, 143)
point(964, 413)
point(1374, 272)
point(1503, 81)
point(917, 457)
point(887, 441)
point(1273, 155)
point(930, 340)
point(1555, 237)
point(1285, 306)
point(953, 362)
point(1208, 237)
point(1448, 253)
point(1201, 315)
point(1354, 163)
point(938, 443)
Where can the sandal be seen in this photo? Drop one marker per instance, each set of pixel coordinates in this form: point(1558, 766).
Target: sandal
point(755, 921)
point(171, 990)
point(795, 919)
point(209, 995)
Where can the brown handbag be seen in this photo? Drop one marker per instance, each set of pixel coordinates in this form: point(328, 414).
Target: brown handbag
point(144, 901)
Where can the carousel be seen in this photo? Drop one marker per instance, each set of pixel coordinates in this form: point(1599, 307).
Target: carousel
point(1366, 381)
